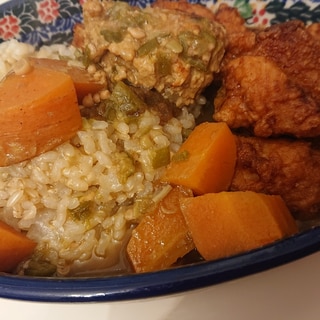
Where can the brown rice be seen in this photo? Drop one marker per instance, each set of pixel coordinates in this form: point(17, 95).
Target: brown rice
point(80, 200)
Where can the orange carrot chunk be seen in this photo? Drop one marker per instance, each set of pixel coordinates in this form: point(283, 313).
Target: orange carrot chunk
point(162, 235)
point(227, 223)
point(82, 80)
point(38, 111)
point(14, 247)
point(206, 160)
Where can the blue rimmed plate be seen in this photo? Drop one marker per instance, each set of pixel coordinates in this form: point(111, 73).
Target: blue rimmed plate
point(51, 21)
point(153, 284)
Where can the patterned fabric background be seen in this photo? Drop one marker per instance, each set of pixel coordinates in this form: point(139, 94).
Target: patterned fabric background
point(51, 21)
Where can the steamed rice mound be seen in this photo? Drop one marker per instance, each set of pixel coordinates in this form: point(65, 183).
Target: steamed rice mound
point(79, 200)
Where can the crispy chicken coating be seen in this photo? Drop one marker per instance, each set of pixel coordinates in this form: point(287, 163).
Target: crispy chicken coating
point(257, 94)
point(314, 30)
point(295, 51)
point(240, 39)
point(185, 6)
point(270, 87)
point(289, 168)
point(270, 78)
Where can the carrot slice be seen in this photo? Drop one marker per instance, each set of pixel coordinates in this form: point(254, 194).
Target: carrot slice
point(14, 247)
point(162, 235)
point(82, 80)
point(38, 111)
point(226, 223)
point(206, 160)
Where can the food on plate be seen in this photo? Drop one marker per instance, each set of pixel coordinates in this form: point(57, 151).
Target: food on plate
point(38, 111)
point(173, 52)
point(185, 6)
point(286, 167)
point(270, 88)
point(240, 37)
point(314, 30)
point(82, 80)
point(227, 223)
point(108, 199)
point(162, 236)
point(270, 79)
point(205, 162)
point(80, 200)
point(257, 94)
point(14, 247)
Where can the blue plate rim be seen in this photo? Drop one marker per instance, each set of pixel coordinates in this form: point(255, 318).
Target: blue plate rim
point(160, 283)
point(176, 280)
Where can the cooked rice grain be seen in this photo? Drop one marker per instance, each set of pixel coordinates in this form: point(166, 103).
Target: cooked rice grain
point(79, 200)
point(12, 51)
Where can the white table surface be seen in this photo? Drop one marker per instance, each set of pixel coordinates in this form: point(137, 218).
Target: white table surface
point(288, 292)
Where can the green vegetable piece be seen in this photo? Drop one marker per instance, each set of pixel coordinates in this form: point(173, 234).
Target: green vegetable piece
point(124, 100)
point(174, 45)
point(86, 57)
point(126, 15)
point(125, 166)
point(110, 113)
point(39, 268)
point(141, 206)
point(197, 63)
point(82, 211)
point(187, 39)
point(160, 157)
point(163, 65)
point(147, 47)
point(208, 37)
point(193, 48)
point(112, 36)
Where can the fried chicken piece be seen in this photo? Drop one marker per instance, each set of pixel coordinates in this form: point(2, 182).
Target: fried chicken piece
point(295, 51)
point(256, 93)
point(185, 6)
point(314, 30)
point(240, 39)
point(289, 168)
point(286, 85)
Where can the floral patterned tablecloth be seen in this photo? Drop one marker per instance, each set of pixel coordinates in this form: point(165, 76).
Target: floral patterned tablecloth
point(39, 21)
point(51, 21)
